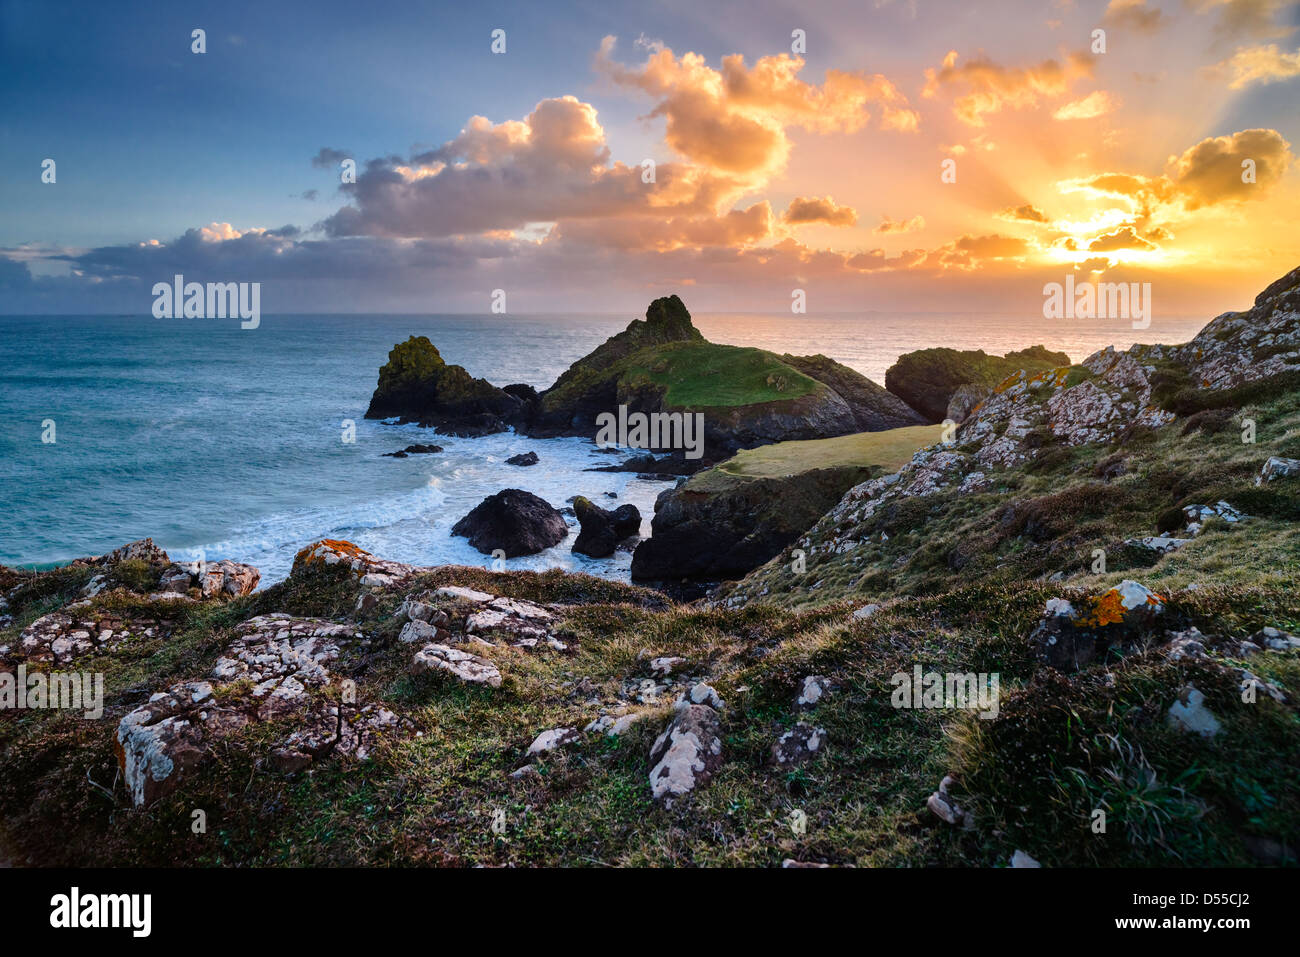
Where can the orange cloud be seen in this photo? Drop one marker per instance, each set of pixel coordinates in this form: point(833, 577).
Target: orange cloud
point(812, 209)
point(735, 119)
point(1097, 103)
point(991, 87)
point(888, 225)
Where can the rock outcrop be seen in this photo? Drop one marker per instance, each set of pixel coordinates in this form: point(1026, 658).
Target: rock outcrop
point(417, 385)
point(719, 526)
point(602, 529)
point(928, 379)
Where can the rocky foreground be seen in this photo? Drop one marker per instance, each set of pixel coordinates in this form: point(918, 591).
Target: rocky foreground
point(1067, 636)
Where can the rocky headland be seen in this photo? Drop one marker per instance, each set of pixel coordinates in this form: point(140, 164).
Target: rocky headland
point(1102, 555)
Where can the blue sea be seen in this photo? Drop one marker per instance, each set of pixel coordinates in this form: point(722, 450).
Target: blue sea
point(229, 443)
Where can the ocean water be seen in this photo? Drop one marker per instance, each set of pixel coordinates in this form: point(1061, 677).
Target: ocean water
point(228, 443)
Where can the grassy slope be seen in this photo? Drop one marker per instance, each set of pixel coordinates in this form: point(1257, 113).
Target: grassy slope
point(883, 452)
point(696, 375)
point(890, 450)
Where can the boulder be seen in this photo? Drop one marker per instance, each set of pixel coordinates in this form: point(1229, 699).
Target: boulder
point(336, 553)
point(687, 754)
point(514, 521)
point(1122, 617)
point(143, 550)
point(524, 458)
point(798, 746)
point(603, 529)
point(553, 740)
point(1277, 467)
point(414, 450)
point(459, 664)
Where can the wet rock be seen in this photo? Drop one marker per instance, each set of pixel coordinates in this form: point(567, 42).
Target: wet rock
point(414, 450)
point(513, 521)
point(523, 459)
point(687, 754)
point(603, 529)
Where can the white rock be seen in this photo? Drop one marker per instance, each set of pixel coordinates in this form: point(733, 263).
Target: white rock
point(1190, 714)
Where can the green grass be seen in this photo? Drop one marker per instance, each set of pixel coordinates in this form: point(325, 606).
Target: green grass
point(890, 450)
point(701, 375)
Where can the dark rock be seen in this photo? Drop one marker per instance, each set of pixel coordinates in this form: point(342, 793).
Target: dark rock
point(524, 458)
point(602, 529)
point(417, 385)
point(928, 378)
point(515, 521)
point(414, 450)
point(720, 526)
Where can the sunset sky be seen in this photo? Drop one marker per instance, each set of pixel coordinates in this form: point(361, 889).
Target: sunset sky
point(523, 170)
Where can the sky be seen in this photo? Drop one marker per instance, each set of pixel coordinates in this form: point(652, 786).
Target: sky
point(880, 155)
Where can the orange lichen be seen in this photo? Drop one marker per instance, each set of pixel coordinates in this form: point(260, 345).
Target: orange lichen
point(1107, 609)
point(1007, 383)
point(312, 554)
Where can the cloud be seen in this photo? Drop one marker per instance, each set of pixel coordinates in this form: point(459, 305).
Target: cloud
point(812, 209)
point(1253, 18)
point(735, 119)
point(1260, 64)
point(1027, 213)
point(552, 165)
point(734, 229)
point(1206, 174)
point(329, 158)
point(1125, 238)
point(888, 225)
point(990, 87)
point(1211, 171)
point(1097, 103)
point(1133, 15)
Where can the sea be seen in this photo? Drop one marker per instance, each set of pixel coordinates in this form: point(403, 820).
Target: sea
point(221, 442)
